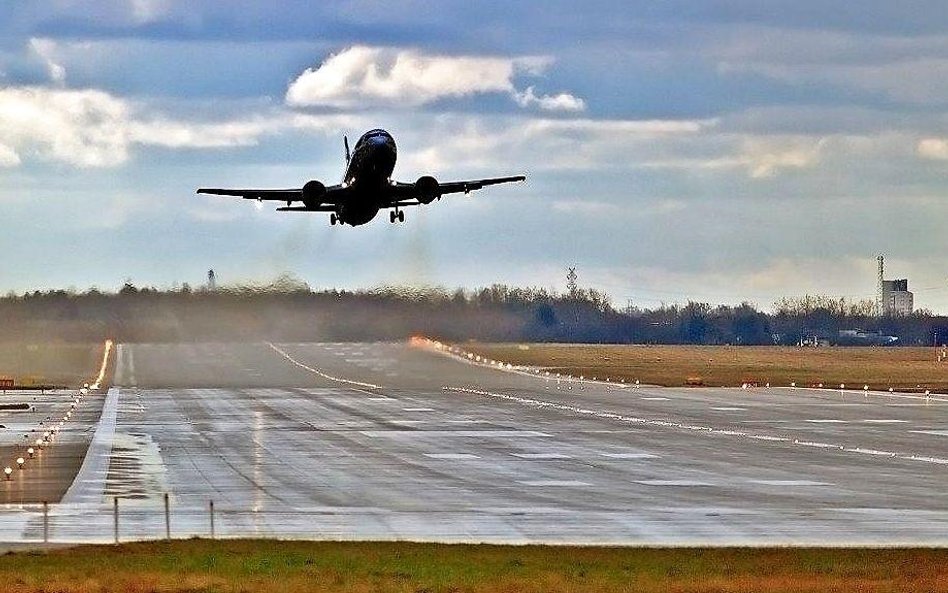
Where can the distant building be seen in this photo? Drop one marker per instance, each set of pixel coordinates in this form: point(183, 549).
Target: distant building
point(896, 298)
point(893, 296)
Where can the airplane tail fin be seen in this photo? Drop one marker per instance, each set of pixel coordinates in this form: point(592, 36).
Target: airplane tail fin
point(345, 140)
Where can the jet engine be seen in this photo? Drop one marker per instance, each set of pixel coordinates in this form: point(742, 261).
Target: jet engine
point(313, 193)
point(427, 188)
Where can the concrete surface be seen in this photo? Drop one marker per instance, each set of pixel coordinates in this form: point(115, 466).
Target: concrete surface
point(387, 441)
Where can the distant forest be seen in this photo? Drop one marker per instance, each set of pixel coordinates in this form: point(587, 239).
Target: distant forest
point(289, 310)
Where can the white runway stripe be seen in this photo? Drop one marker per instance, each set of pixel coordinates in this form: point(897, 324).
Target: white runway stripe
point(318, 372)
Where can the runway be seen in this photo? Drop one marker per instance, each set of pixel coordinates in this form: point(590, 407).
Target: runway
point(392, 442)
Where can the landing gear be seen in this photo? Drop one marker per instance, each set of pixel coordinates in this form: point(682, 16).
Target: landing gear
point(333, 219)
point(396, 215)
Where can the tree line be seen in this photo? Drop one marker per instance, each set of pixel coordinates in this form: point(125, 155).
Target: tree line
point(289, 310)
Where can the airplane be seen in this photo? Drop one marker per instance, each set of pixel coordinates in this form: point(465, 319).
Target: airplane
point(366, 187)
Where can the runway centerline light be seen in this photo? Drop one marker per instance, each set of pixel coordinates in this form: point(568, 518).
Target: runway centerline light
point(8, 470)
point(30, 451)
point(20, 461)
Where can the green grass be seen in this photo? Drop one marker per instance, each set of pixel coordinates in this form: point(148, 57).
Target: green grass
point(245, 565)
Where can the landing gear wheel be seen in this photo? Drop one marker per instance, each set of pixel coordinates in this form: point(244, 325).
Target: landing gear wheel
point(391, 217)
point(333, 219)
point(401, 216)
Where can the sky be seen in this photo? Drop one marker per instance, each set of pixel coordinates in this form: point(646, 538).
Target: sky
point(719, 151)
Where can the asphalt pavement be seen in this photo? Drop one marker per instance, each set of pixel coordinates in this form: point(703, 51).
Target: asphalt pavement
point(392, 441)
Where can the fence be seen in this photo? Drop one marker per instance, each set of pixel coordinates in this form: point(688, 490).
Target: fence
point(124, 519)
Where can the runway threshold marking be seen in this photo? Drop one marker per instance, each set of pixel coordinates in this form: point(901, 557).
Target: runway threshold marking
point(708, 430)
point(304, 366)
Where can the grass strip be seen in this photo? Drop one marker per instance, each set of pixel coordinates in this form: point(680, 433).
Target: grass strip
point(904, 369)
point(267, 565)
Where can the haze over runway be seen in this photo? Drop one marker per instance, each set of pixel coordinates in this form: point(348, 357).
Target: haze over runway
point(389, 441)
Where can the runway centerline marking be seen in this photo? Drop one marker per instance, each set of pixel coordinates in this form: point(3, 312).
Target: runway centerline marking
point(674, 483)
point(566, 483)
point(452, 456)
point(285, 355)
point(455, 433)
point(790, 483)
point(699, 429)
point(541, 456)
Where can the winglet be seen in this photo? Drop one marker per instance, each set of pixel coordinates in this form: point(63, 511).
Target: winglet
point(345, 140)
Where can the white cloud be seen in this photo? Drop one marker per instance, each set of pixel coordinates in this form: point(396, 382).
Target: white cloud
point(146, 11)
point(8, 156)
point(559, 102)
point(363, 76)
point(485, 143)
point(45, 49)
point(92, 128)
point(933, 148)
point(84, 128)
point(765, 157)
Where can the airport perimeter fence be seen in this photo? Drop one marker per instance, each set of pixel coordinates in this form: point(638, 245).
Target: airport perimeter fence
point(131, 519)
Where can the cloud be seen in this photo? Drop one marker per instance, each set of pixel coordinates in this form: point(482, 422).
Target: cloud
point(84, 128)
point(559, 102)
point(362, 76)
point(45, 49)
point(92, 128)
point(765, 157)
point(8, 156)
point(933, 148)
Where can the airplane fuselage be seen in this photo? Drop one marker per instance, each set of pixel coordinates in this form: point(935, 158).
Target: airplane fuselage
point(368, 172)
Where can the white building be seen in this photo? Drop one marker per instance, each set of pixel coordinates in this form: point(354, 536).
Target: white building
point(896, 298)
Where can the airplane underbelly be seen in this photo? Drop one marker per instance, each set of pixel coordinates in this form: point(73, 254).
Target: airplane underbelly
point(360, 212)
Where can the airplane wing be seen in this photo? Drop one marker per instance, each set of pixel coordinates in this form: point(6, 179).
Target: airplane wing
point(279, 195)
point(454, 187)
point(426, 189)
point(331, 196)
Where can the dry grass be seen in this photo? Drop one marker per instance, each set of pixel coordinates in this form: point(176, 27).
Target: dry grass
point(251, 566)
point(64, 364)
point(880, 368)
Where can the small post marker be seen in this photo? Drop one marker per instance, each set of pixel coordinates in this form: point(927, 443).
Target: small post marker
point(167, 517)
point(212, 518)
point(115, 514)
point(45, 522)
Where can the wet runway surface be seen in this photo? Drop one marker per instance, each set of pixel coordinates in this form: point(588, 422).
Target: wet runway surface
point(388, 441)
